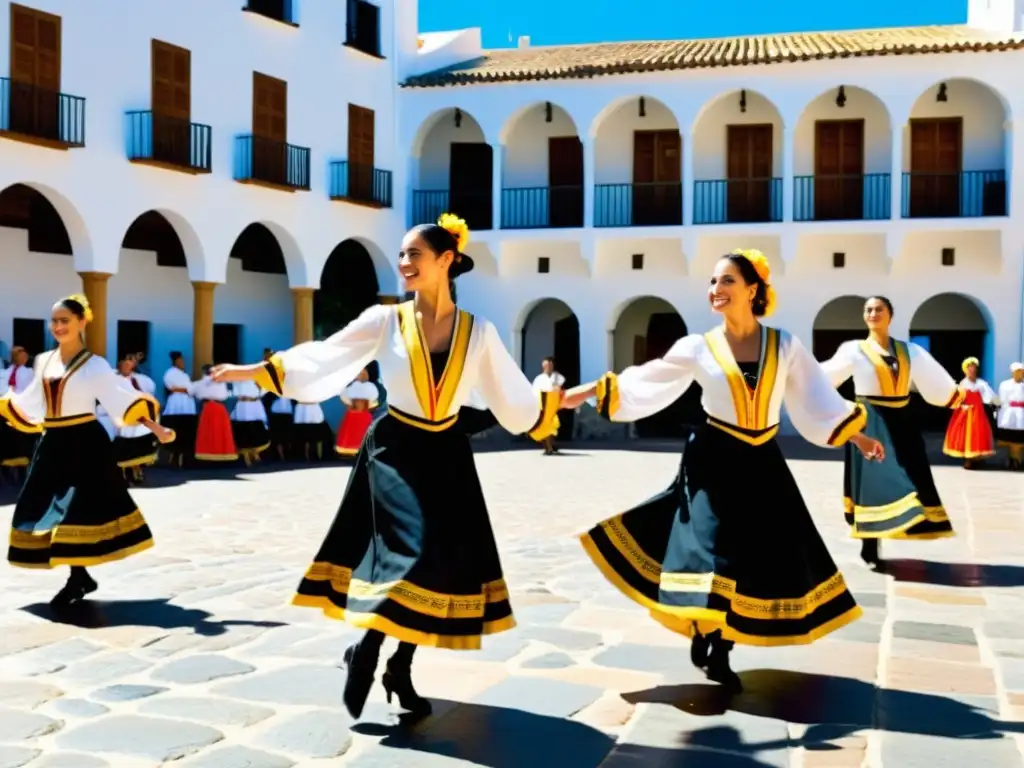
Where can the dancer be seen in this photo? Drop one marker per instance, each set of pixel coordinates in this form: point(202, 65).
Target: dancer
point(135, 446)
point(1010, 422)
point(729, 553)
point(311, 434)
point(16, 447)
point(969, 435)
point(895, 499)
point(249, 422)
point(549, 380)
point(74, 508)
point(281, 419)
point(360, 397)
point(180, 412)
point(215, 439)
point(411, 553)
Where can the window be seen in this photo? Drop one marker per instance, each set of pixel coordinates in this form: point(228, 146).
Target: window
point(948, 257)
point(30, 334)
point(638, 261)
point(363, 29)
point(278, 10)
point(838, 260)
point(544, 265)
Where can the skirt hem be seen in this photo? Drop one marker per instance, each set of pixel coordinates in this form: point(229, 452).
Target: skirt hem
point(85, 562)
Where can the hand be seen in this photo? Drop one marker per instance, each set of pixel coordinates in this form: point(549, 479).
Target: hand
point(575, 397)
point(227, 372)
point(871, 449)
point(165, 435)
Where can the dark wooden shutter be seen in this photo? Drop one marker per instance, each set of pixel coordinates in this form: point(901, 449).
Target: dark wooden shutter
point(269, 128)
point(360, 152)
point(171, 102)
point(35, 72)
point(565, 181)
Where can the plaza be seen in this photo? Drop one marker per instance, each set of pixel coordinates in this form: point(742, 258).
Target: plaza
point(191, 653)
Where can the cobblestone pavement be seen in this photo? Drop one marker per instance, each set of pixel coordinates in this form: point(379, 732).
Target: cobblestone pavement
point(191, 653)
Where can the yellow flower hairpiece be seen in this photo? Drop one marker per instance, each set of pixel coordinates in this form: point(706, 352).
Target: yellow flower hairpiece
point(764, 270)
point(457, 228)
point(968, 363)
point(86, 306)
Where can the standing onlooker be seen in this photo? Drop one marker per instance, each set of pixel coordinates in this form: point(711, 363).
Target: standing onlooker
point(549, 380)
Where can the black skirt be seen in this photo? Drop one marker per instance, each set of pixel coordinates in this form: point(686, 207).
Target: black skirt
point(729, 546)
point(184, 425)
point(251, 437)
point(411, 552)
point(16, 448)
point(74, 508)
point(136, 451)
point(281, 429)
point(319, 438)
point(1010, 438)
point(895, 498)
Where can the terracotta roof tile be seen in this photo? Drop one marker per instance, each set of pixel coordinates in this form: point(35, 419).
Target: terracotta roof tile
point(585, 61)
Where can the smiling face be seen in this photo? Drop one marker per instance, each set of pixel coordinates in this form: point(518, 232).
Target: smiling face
point(729, 293)
point(65, 325)
point(1018, 375)
point(876, 315)
point(422, 269)
point(972, 372)
point(124, 367)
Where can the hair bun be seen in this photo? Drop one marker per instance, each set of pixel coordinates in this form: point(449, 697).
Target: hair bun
point(457, 228)
point(758, 261)
point(81, 298)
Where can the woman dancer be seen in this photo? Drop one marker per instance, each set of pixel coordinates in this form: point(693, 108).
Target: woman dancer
point(135, 446)
point(180, 412)
point(411, 553)
point(361, 398)
point(74, 508)
point(311, 434)
point(215, 439)
point(1010, 422)
point(249, 422)
point(896, 499)
point(969, 435)
point(729, 553)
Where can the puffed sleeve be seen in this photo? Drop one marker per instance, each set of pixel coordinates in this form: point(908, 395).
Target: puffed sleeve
point(26, 410)
point(125, 404)
point(987, 395)
point(643, 390)
point(318, 370)
point(509, 395)
point(816, 409)
point(931, 380)
point(840, 367)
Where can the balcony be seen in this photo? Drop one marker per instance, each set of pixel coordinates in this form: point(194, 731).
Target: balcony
point(271, 163)
point(361, 184)
point(651, 204)
point(39, 116)
point(844, 197)
point(737, 201)
point(963, 194)
point(169, 142)
point(427, 206)
point(278, 10)
point(542, 207)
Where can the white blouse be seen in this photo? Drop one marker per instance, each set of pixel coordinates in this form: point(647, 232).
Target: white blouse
point(361, 390)
point(873, 378)
point(417, 395)
point(248, 406)
point(988, 396)
point(787, 373)
point(1011, 405)
point(61, 396)
point(179, 388)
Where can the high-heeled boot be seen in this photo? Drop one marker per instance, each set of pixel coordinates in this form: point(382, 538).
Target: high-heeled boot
point(699, 646)
point(397, 681)
point(869, 552)
point(719, 669)
point(361, 660)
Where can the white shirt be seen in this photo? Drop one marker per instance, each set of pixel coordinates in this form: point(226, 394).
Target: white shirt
point(251, 408)
point(23, 375)
point(179, 403)
point(1011, 408)
point(549, 382)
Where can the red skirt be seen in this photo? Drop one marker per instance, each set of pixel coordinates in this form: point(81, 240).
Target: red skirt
point(215, 440)
point(969, 435)
point(352, 431)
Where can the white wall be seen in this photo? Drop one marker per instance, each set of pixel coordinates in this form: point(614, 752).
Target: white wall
point(436, 152)
point(613, 141)
point(983, 122)
point(525, 161)
point(860, 105)
point(711, 130)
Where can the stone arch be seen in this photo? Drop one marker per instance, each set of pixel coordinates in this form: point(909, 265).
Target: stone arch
point(348, 285)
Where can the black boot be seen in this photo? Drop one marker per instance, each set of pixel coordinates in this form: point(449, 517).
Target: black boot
point(397, 681)
point(869, 552)
point(718, 669)
point(79, 584)
point(361, 660)
point(699, 646)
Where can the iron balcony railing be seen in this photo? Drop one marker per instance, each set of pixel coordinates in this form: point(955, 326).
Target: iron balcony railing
point(644, 204)
point(542, 207)
point(956, 194)
point(842, 197)
point(360, 183)
point(38, 113)
point(271, 162)
point(169, 140)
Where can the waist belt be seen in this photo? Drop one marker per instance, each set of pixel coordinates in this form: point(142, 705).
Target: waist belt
point(748, 436)
point(176, 391)
point(420, 423)
point(1017, 403)
point(886, 402)
point(248, 399)
point(68, 421)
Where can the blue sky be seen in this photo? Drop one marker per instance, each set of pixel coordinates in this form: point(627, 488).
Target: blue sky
point(550, 22)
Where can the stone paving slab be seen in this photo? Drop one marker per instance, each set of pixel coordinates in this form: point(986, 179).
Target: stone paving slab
point(191, 654)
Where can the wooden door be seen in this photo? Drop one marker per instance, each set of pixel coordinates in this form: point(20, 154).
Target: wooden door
point(749, 172)
point(269, 129)
point(35, 73)
point(838, 169)
point(171, 103)
point(565, 181)
point(936, 157)
point(657, 171)
point(663, 330)
point(360, 153)
point(470, 192)
point(567, 363)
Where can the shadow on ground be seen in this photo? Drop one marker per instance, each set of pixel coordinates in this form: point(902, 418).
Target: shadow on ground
point(953, 574)
point(156, 613)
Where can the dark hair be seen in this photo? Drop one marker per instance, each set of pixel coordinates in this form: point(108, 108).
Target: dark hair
point(441, 240)
point(74, 306)
point(884, 300)
point(548, 359)
point(175, 356)
point(750, 277)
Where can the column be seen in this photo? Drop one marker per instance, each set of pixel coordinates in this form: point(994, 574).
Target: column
point(94, 286)
point(787, 174)
point(499, 162)
point(687, 177)
point(896, 182)
point(302, 314)
point(589, 179)
point(202, 326)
